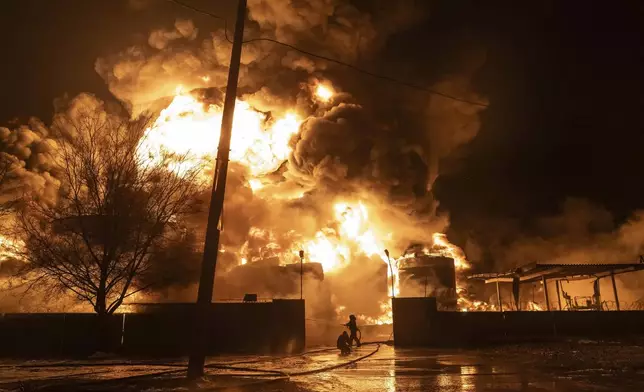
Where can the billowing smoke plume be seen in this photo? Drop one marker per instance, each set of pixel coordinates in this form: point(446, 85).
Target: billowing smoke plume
point(26, 171)
point(383, 152)
point(583, 233)
point(26, 160)
point(159, 39)
point(346, 150)
point(347, 30)
point(452, 123)
point(142, 74)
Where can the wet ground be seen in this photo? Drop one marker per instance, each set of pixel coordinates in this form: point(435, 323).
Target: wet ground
point(585, 366)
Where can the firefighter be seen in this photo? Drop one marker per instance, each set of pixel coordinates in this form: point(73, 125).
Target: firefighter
point(353, 327)
point(343, 343)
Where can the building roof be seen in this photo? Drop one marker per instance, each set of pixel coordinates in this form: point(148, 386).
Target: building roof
point(537, 271)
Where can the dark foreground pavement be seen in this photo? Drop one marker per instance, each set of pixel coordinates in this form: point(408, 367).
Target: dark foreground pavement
point(586, 366)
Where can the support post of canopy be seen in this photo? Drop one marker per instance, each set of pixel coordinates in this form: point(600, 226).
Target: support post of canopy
point(558, 294)
point(612, 278)
point(498, 296)
point(545, 292)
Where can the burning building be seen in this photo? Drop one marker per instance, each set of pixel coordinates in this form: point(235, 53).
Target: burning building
point(428, 275)
point(272, 280)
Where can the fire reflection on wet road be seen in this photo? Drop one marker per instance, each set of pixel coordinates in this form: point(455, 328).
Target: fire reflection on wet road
point(389, 370)
point(424, 370)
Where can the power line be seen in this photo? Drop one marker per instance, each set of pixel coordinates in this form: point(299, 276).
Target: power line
point(372, 74)
point(332, 60)
point(184, 5)
point(200, 11)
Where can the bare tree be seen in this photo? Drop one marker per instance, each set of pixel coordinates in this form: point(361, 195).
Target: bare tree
point(116, 205)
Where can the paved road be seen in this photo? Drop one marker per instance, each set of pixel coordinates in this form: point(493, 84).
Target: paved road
point(387, 370)
point(431, 370)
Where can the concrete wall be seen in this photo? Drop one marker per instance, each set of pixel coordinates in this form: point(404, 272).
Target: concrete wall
point(263, 327)
point(33, 335)
point(418, 323)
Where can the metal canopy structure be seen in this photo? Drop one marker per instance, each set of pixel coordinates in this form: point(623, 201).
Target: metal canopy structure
point(544, 272)
point(535, 272)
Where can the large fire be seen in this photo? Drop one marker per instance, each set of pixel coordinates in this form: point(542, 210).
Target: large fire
point(444, 248)
point(332, 249)
point(191, 128)
point(188, 127)
point(357, 235)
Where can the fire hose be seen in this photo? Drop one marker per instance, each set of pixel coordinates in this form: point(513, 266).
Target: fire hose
point(65, 364)
point(277, 375)
point(285, 376)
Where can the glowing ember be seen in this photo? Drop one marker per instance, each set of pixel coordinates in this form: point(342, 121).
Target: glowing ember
point(188, 127)
point(324, 93)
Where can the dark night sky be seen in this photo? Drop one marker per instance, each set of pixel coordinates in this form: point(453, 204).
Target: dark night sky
point(564, 80)
point(566, 86)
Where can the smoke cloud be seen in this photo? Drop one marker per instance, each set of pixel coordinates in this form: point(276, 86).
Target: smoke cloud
point(142, 74)
point(583, 233)
point(159, 39)
point(349, 149)
point(139, 4)
point(26, 155)
point(346, 150)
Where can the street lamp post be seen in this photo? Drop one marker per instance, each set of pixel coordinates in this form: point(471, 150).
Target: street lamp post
point(301, 274)
point(391, 268)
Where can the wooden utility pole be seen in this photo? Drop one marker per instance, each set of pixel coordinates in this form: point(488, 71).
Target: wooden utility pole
point(201, 339)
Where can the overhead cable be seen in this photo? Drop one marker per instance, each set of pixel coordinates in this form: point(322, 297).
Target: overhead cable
point(332, 60)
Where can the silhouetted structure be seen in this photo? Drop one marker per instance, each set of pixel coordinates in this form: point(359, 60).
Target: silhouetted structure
point(544, 273)
point(263, 327)
point(429, 276)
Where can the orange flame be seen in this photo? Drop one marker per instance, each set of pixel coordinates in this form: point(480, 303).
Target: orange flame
point(534, 306)
point(324, 92)
point(443, 247)
point(191, 128)
point(188, 127)
point(333, 249)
